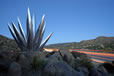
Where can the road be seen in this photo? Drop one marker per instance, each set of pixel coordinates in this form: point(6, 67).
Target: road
point(102, 58)
point(98, 57)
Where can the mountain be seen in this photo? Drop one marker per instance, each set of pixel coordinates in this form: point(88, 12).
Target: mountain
point(102, 42)
point(7, 44)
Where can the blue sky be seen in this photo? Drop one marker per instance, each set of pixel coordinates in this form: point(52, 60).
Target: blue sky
point(70, 20)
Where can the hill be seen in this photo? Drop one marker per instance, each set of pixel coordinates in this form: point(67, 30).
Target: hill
point(102, 42)
point(7, 44)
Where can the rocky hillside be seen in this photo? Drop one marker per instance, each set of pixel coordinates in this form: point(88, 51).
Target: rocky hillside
point(61, 63)
point(103, 43)
point(7, 44)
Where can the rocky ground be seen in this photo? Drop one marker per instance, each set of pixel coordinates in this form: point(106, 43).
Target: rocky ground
point(61, 63)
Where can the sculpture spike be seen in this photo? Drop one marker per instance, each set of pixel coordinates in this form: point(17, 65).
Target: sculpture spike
point(18, 35)
point(39, 30)
point(34, 26)
point(14, 36)
point(21, 29)
point(29, 31)
point(32, 40)
point(40, 38)
point(28, 23)
point(45, 41)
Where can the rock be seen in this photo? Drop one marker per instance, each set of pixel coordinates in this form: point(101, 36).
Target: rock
point(78, 54)
point(67, 56)
point(48, 54)
point(14, 69)
point(102, 71)
point(4, 63)
point(25, 64)
point(33, 73)
point(84, 70)
point(109, 67)
point(3, 69)
point(55, 57)
point(98, 71)
point(93, 72)
point(60, 69)
point(112, 62)
point(33, 64)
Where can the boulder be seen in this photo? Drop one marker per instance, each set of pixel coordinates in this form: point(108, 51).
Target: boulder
point(5, 62)
point(25, 64)
point(98, 71)
point(67, 56)
point(3, 69)
point(32, 73)
point(84, 70)
point(94, 72)
point(55, 57)
point(109, 66)
point(102, 71)
point(60, 69)
point(14, 69)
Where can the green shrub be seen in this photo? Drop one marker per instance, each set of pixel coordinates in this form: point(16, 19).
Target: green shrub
point(38, 63)
point(85, 61)
point(81, 59)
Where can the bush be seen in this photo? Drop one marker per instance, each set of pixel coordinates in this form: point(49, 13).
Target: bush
point(38, 63)
point(82, 59)
point(85, 61)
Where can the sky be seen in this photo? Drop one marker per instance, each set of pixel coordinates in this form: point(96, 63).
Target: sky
point(70, 20)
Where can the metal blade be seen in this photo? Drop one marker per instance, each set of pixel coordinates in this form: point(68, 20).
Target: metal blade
point(13, 34)
point(29, 31)
point(38, 34)
point(34, 26)
point(45, 41)
point(18, 35)
point(40, 38)
point(21, 29)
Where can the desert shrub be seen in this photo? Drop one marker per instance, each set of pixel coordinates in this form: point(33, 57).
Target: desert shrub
point(38, 63)
point(85, 61)
point(81, 59)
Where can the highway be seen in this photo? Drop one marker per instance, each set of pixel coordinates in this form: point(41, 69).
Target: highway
point(98, 57)
point(95, 55)
point(102, 58)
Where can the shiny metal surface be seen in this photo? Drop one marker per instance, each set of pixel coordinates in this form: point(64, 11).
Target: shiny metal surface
point(33, 38)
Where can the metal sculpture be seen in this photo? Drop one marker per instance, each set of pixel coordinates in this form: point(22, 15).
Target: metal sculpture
point(33, 39)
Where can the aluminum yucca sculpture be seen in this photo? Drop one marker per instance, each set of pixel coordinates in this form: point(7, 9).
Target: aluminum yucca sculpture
point(32, 40)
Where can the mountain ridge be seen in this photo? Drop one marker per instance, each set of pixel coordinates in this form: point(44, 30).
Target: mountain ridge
point(101, 42)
